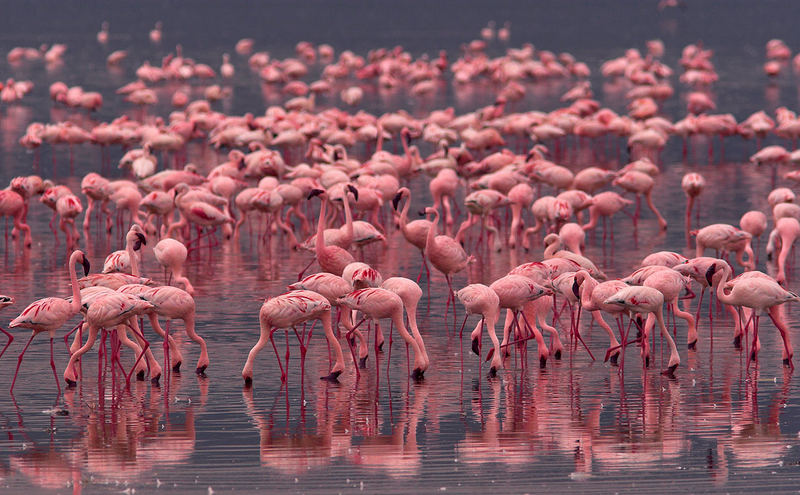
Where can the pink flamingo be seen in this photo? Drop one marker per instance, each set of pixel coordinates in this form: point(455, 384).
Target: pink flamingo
point(289, 310)
point(445, 254)
point(6, 301)
point(13, 205)
point(97, 189)
point(725, 238)
point(171, 303)
point(671, 283)
point(106, 311)
point(605, 204)
point(514, 291)
point(123, 261)
point(754, 222)
point(50, 313)
point(482, 300)
point(592, 296)
point(761, 294)
point(786, 231)
point(692, 184)
point(648, 300)
point(640, 183)
point(415, 232)
point(171, 254)
point(378, 303)
point(410, 293)
point(331, 259)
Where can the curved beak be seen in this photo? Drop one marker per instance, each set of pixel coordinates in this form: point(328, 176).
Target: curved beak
point(141, 238)
point(710, 273)
point(576, 288)
point(396, 200)
point(86, 266)
point(353, 190)
point(422, 213)
point(315, 192)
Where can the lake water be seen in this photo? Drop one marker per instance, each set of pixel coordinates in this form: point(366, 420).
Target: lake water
point(578, 425)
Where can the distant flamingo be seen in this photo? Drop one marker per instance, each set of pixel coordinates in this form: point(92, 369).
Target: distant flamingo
point(785, 233)
point(692, 184)
point(415, 232)
point(50, 314)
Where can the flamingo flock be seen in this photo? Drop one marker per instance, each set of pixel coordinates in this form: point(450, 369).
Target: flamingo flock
point(499, 179)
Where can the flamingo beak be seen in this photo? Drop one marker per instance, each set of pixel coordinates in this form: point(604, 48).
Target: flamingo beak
point(575, 289)
point(710, 274)
point(141, 238)
point(396, 200)
point(353, 190)
point(86, 266)
point(315, 192)
point(422, 213)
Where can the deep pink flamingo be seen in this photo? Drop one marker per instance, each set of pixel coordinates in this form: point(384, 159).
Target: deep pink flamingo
point(50, 314)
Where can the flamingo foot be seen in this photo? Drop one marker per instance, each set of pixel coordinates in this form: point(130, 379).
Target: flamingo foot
point(476, 347)
point(670, 372)
point(140, 375)
point(417, 374)
point(692, 345)
point(737, 342)
point(333, 377)
point(200, 370)
point(362, 363)
point(542, 362)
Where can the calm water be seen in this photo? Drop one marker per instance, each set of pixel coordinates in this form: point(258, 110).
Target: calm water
point(576, 426)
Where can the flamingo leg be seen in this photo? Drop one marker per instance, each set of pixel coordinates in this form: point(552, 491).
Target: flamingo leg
point(19, 362)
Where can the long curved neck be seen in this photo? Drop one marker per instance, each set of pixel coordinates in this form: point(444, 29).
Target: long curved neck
point(379, 144)
point(348, 220)
point(132, 257)
point(726, 275)
point(73, 280)
point(552, 248)
point(404, 213)
point(320, 241)
point(432, 230)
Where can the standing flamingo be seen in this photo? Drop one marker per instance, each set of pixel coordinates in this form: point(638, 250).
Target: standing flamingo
point(415, 232)
point(761, 294)
point(172, 254)
point(445, 254)
point(692, 184)
point(786, 231)
point(50, 313)
point(331, 259)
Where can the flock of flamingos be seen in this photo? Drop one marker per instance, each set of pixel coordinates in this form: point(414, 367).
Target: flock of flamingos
point(497, 167)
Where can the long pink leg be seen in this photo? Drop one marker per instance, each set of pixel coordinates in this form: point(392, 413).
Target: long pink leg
point(19, 362)
point(10, 340)
point(53, 366)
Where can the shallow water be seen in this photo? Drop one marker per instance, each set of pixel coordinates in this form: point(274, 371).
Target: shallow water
point(578, 425)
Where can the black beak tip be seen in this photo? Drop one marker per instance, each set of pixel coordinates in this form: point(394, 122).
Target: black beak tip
point(353, 190)
point(142, 238)
point(422, 213)
point(575, 289)
point(314, 192)
point(86, 266)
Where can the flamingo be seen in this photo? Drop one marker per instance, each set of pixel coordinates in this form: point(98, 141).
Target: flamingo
point(641, 299)
point(445, 253)
point(171, 254)
point(482, 300)
point(761, 294)
point(378, 303)
point(289, 310)
point(50, 313)
point(693, 185)
point(123, 261)
point(331, 259)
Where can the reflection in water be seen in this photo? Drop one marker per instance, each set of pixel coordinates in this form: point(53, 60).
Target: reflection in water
point(123, 437)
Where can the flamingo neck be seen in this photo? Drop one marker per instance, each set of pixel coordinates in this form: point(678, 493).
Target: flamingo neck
point(432, 230)
point(348, 220)
point(132, 257)
point(726, 275)
point(320, 241)
point(73, 280)
point(404, 213)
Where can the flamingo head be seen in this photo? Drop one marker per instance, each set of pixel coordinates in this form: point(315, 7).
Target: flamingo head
point(315, 192)
point(353, 190)
point(710, 273)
